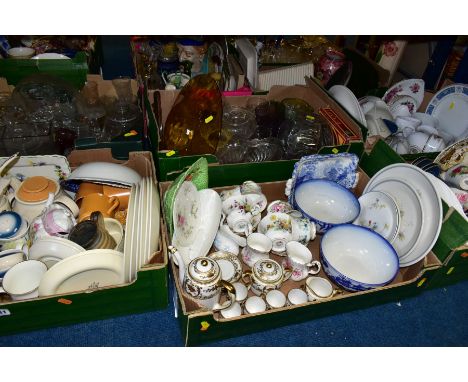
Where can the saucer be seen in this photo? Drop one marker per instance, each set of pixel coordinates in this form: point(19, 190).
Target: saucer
point(230, 265)
point(379, 212)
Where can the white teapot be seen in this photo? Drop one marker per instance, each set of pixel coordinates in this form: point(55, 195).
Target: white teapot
point(202, 281)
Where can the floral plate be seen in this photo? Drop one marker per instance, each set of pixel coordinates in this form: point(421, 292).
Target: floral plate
point(413, 88)
point(379, 212)
point(230, 265)
point(186, 214)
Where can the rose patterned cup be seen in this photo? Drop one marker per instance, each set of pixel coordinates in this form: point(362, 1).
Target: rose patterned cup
point(258, 248)
point(300, 261)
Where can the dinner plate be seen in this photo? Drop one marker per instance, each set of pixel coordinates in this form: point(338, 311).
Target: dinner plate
point(186, 214)
point(87, 270)
point(450, 107)
point(229, 264)
point(430, 202)
point(155, 217)
point(413, 88)
point(455, 154)
point(147, 222)
point(136, 233)
point(143, 215)
point(380, 213)
point(50, 56)
point(411, 213)
point(346, 98)
point(128, 245)
point(51, 250)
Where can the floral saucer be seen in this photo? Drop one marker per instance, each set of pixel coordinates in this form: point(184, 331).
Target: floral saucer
point(413, 88)
point(380, 213)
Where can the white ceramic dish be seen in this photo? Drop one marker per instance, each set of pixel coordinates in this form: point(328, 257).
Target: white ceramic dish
point(348, 100)
point(21, 52)
point(10, 257)
point(88, 270)
point(143, 221)
point(430, 202)
point(413, 88)
point(136, 234)
point(357, 258)
point(210, 206)
point(155, 216)
point(128, 245)
point(326, 203)
point(229, 264)
point(186, 214)
point(50, 56)
point(411, 213)
point(450, 107)
point(51, 250)
point(105, 173)
point(379, 212)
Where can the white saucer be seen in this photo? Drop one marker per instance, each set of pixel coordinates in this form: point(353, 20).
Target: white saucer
point(51, 250)
point(230, 265)
point(413, 88)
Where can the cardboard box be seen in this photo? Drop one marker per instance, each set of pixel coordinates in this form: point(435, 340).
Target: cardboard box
point(199, 326)
point(160, 102)
point(451, 247)
point(148, 292)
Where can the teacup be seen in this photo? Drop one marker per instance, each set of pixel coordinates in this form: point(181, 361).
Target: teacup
point(92, 234)
point(234, 310)
point(434, 144)
point(299, 259)
point(279, 206)
point(258, 248)
point(303, 230)
point(275, 299)
point(240, 222)
point(20, 239)
point(241, 292)
point(88, 188)
point(254, 304)
point(98, 202)
point(297, 296)
point(9, 258)
point(427, 129)
point(10, 223)
point(265, 275)
point(417, 141)
point(57, 220)
point(318, 288)
point(22, 280)
point(223, 243)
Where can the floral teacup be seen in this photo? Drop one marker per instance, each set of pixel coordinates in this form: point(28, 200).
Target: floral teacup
point(279, 206)
point(303, 230)
point(258, 248)
point(278, 227)
point(240, 222)
point(253, 203)
point(300, 260)
point(248, 187)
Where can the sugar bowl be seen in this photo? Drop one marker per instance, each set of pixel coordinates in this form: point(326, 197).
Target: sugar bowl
point(266, 275)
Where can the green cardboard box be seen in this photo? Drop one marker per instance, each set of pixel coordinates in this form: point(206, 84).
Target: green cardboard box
point(159, 103)
point(200, 326)
point(148, 292)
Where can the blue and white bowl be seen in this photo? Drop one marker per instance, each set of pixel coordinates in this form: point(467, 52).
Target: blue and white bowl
point(10, 223)
point(357, 258)
point(326, 203)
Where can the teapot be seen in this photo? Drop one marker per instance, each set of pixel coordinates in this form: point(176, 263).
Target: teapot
point(32, 195)
point(201, 280)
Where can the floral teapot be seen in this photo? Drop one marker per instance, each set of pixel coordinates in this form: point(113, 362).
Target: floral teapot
point(201, 280)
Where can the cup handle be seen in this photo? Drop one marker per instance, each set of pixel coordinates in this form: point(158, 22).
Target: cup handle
point(247, 277)
point(315, 267)
point(115, 202)
point(231, 295)
point(287, 273)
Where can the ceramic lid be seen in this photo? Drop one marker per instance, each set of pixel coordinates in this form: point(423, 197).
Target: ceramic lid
point(36, 189)
point(268, 271)
point(203, 270)
point(10, 223)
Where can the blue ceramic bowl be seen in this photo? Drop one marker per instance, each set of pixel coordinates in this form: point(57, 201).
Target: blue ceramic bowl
point(358, 258)
point(10, 223)
point(326, 203)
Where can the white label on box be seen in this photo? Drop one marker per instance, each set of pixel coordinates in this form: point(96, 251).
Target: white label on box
point(4, 312)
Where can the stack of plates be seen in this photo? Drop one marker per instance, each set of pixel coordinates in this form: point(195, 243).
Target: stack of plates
point(142, 227)
point(419, 206)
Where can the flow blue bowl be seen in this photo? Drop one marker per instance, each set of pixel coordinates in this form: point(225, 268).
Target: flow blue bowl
point(358, 258)
point(326, 203)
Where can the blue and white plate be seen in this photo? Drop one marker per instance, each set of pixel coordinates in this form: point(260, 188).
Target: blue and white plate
point(450, 107)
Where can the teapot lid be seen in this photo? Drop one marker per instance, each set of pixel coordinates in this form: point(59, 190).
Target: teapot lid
point(36, 189)
point(268, 271)
point(203, 270)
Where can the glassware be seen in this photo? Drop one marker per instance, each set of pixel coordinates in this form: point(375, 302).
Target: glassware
point(90, 109)
point(269, 116)
point(123, 114)
point(260, 150)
